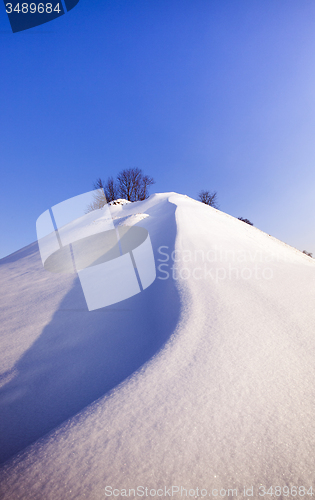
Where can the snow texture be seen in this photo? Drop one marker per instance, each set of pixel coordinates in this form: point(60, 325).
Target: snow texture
point(205, 379)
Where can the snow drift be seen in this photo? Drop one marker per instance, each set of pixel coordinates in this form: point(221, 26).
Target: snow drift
point(204, 380)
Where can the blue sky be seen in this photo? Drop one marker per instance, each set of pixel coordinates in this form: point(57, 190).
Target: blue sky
point(200, 94)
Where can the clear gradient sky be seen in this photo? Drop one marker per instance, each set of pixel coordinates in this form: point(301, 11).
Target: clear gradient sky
point(200, 94)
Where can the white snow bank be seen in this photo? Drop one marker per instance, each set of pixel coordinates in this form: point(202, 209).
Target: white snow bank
point(227, 402)
point(119, 201)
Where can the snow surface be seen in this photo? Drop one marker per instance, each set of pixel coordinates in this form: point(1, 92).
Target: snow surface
point(205, 379)
point(119, 201)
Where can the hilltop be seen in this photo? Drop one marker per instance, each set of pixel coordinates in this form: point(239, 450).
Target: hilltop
point(205, 379)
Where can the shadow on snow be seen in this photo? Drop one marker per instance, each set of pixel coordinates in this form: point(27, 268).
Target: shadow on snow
point(82, 355)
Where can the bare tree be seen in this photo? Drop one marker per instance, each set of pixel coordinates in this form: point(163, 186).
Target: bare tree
point(133, 185)
point(208, 198)
point(146, 182)
point(99, 200)
point(307, 253)
point(245, 220)
point(129, 182)
point(99, 184)
point(111, 190)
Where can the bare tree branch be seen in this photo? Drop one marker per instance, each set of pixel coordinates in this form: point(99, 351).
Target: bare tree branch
point(133, 185)
point(99, 184)
point(98, 202)
point(111, 190)
point(208, 198)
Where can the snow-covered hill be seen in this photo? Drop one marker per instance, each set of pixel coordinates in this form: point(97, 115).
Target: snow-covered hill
point(204, 380)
